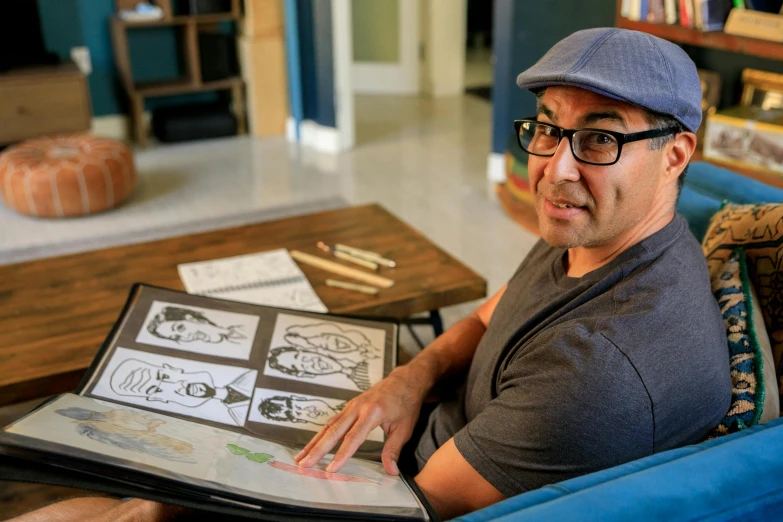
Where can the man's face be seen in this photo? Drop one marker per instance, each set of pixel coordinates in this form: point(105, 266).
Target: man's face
point(604, 203)
point(309, 362)
point(190, 330)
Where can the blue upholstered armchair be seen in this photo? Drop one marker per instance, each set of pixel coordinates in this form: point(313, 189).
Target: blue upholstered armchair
point(734, 477)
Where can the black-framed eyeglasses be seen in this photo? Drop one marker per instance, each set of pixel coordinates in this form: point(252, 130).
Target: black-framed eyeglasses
point(591, 146)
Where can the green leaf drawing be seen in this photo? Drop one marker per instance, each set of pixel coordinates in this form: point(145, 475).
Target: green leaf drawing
point(260, 457)
point(236, 450)
point(255, 457)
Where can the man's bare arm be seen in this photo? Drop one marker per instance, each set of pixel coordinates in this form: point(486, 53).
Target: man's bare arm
point(395, 402)
point(452, 486)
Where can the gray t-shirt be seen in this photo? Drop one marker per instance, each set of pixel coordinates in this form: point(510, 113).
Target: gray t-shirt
point(574, 375)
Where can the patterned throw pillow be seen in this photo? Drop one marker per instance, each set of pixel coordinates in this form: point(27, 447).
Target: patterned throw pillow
point(732, 291)
point(758, 229)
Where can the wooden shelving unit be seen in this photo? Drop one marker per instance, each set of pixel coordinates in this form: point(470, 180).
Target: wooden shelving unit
point(713, 40)
point(191, 82)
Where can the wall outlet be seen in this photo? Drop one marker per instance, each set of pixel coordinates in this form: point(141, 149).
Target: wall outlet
point(81, 55)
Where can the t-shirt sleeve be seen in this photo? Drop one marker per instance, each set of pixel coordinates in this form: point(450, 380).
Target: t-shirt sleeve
point(569, 403)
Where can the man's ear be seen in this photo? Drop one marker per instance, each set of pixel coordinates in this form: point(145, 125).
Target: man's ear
point(678, 154)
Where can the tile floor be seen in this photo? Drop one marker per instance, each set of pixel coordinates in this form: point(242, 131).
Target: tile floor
point(423, 159)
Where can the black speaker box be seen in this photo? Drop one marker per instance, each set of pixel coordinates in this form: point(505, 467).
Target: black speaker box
point(193, 122)
point(209, 6)
point(218, 53)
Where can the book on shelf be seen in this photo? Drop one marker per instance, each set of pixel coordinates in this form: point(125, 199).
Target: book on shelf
point(204, 402)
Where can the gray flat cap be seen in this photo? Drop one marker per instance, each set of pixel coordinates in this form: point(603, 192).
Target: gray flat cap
point(629, 66)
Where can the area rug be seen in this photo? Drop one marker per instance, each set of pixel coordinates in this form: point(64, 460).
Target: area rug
point(15, 253)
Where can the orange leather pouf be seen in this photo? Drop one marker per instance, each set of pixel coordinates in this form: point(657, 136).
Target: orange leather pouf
point(66, 176)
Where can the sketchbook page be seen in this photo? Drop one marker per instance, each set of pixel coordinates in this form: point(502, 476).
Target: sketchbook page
point(86, 431)
point(274, 373)
point(268, 278)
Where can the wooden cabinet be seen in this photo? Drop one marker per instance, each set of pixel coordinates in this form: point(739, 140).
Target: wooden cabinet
point(43, 100)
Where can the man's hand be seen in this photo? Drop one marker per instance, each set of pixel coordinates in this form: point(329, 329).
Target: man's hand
point(393, 404)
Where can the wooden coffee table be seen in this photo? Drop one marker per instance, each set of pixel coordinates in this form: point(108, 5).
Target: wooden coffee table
point(55, 313)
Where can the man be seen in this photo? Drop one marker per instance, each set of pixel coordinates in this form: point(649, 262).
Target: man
point(135, 378)
point(308, 364)
point(606, 345)
point(186, 325)
point(297, 409)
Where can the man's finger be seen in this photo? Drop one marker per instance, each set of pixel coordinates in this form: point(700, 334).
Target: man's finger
point(351, 442)
point(314, 440)
point(328, 439)
point(391, 450)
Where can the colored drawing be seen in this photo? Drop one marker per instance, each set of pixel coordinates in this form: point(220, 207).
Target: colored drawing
point(129, 431)
point(266, 458)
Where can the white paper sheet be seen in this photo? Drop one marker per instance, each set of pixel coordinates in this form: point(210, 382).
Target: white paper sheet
point(206, 391)
point(327, 352)
point(267, 278)
point(297, 410)
point(199, 330)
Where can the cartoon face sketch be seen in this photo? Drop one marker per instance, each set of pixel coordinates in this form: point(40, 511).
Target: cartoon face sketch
point(295, 408)
point(129, 431)
point(184, 325)
point(330, 339)
point(136, 378)
point(309, 364)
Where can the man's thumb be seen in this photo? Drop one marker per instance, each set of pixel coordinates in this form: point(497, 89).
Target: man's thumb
point(391, 451)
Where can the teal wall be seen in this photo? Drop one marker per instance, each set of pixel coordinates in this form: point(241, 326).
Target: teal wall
point(154, 52)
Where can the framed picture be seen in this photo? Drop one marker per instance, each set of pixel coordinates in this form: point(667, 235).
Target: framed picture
point(710, 97)
point(762, 89)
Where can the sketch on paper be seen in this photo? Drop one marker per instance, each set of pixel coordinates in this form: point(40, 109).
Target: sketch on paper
point(208, 391)
point(298, 409)
point(333, 340)
point(326, 352)
point(268, 278)
point(304, 412)
point(267, 458)
point(129, 431)
point(199, 330)
point(293, 363)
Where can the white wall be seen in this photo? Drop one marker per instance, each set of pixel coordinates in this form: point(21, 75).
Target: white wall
point(444, 24)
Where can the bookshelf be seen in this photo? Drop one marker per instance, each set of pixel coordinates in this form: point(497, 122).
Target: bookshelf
point(192, 82)
point(713, 40)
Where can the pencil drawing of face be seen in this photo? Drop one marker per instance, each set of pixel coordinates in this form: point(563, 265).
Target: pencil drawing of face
point(308, 364)
point(186, 325)
point(165, 383)
point(294, 408)
point(129, 431)
point(302, 363)
point(329, 337)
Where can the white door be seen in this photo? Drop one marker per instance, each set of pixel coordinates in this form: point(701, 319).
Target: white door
point(385, 46)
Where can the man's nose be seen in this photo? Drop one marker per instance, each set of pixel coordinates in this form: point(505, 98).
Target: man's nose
point(563, 166)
